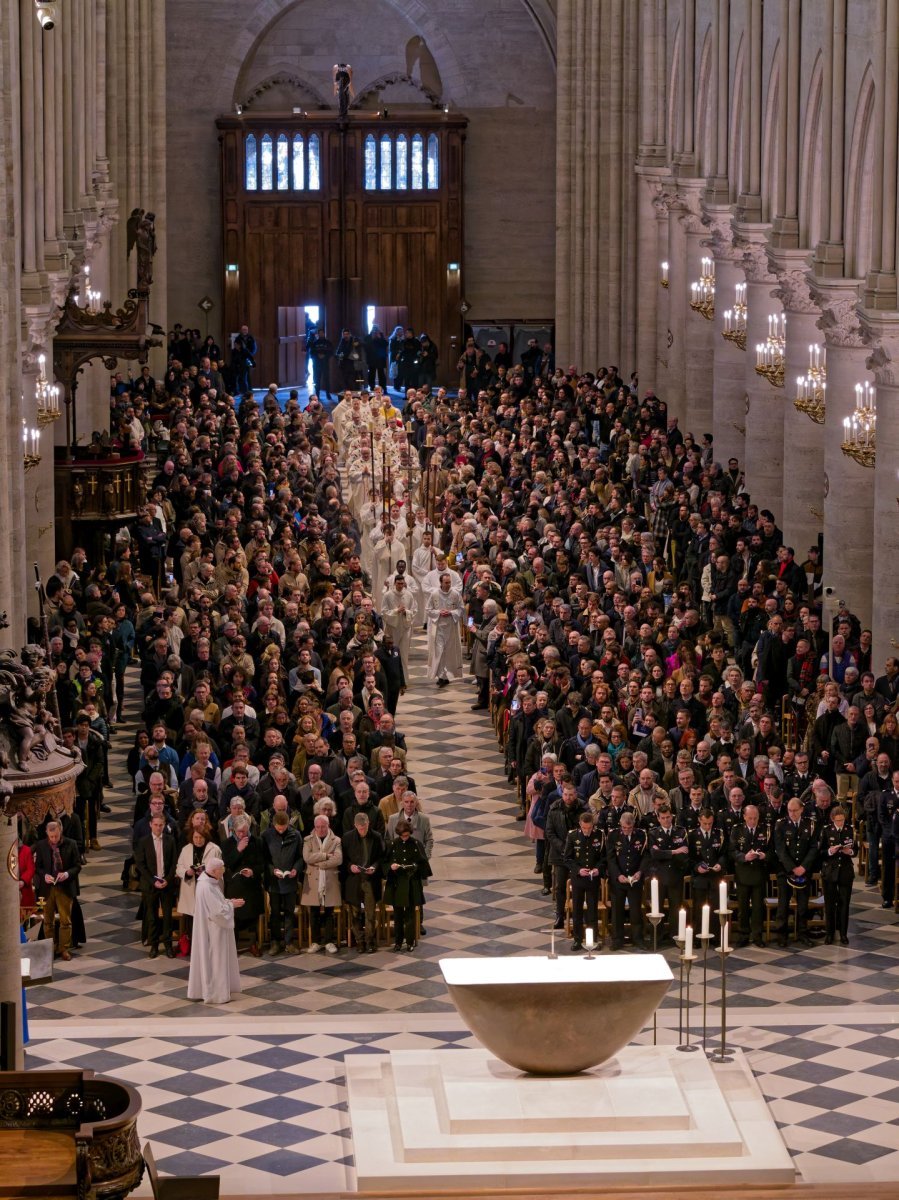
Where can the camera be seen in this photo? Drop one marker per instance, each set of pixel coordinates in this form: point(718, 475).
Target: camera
point(46, 15)
point(829, 593)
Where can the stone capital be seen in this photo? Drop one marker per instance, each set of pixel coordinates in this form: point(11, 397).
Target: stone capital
point(719, 222)
point(839, 320)
point(663, 202)
point(793, 291)
point(755, 261)
point(881, 332)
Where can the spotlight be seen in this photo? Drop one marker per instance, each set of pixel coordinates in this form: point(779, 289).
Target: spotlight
point(46, 14)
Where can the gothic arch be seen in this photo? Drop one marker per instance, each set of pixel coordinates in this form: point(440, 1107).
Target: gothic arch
point(305, 91)
point(386, 81)
point(810, 175)
point(704, 144)
point(771, 137)
point(735, 141)
point(860, 172)
point(267, 13)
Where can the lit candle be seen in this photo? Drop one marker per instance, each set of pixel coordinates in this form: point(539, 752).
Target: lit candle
point(706, 917)
point(722, 896)
point(681, 924)
point(588, 937)
point(654, 896)
point(688, 942)
point(24, 435)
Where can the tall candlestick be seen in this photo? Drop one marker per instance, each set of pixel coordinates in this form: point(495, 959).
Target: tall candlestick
point(706, 917)
point(654, 895)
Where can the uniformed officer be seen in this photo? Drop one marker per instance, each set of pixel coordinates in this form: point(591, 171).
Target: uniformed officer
point(750, 851)
point(818, 809)
point(626, 859)
point(585, 860)
point(699, 803)
point(728, 818)
point(837, 848)
point(609, 817)
point(708, 862)
point(669, 857)
point(797, 853)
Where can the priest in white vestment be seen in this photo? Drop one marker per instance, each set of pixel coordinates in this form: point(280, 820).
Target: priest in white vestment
point(424, 560)
point(214, 973)
point(444, 613)
point(398, 611)
point(386, 554)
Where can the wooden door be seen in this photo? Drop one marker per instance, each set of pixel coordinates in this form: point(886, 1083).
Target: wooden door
point(336, 242)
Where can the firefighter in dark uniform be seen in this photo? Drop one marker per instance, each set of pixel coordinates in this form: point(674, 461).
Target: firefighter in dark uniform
point(797, 853)
point(585, 860)
point(627, 855)
point(750, 852)
point(837, 848)
point(669, 856)
point(608, 818)
point(708, 863)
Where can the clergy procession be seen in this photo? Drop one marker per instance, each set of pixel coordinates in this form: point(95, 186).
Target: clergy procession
point(677, 722)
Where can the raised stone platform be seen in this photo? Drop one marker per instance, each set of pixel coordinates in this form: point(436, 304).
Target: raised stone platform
point(652, 1115)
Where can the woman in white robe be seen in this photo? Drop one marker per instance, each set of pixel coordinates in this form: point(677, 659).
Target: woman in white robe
point(214, 973)
point(444, 614)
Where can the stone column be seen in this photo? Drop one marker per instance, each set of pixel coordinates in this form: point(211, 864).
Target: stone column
point(729, 361)
point(10, 956)
point(661, 205)
point(882, 329)
point(803, 450)
point(764, 423)
point(678, 310)
point(648, 315)
point(698, 365)
point(848, 487)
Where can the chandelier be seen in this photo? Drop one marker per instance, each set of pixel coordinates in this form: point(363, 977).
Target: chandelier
point(702, 293)
point(859, 430)
point(769, 355)
point(735, 319)
point(811, 389)
point(47, 396)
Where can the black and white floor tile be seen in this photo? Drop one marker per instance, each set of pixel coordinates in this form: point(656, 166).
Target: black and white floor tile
point(254, 1090)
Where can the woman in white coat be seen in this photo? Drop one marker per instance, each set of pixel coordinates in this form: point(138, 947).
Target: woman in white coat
point(322, 854)
point(444, 615)
point(193, 859)
point(214, 973)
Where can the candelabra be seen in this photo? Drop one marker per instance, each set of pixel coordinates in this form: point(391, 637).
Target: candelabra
point(722, 1054)
point(811, 389)
point(735, 319)
point(663, 277)
point(47, 396)
point(769, 355)
point(702, 293)
point(32, 438)
point(859, 430)
point(655, 917)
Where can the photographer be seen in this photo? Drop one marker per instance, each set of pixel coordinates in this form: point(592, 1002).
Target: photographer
point(243, 358)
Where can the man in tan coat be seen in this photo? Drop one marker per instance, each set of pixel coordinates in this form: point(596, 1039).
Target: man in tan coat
point(322, 854)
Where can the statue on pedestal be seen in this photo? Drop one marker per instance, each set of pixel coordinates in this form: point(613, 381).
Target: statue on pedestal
point(343, 87)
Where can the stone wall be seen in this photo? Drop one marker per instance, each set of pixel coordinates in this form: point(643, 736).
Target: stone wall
point(486, 58)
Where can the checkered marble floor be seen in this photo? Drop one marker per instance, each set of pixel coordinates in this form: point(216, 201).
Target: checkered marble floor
point(255, 1089)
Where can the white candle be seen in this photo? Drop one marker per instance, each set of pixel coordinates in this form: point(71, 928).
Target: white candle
point(681, 924)
point(688, 942)
point(588, 937)
point(722, 896)
point(725, 935)
point(706, 917)
point(654, 896)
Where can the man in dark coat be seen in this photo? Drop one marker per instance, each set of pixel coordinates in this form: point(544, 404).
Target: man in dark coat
point(363, 852)
point(156, 857)
point(282, 846)
point(405, 866)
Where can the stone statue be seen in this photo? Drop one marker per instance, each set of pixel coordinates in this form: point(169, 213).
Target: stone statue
point(27, 727)
point(343, 87)
point(141, 232)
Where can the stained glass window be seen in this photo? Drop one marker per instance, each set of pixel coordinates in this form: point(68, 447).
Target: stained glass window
point(267, 163)
point(252, 179)
point(299, 163)
point(418, 180)
point(371, 163)
point(433, 161)
point(402, 162)
point(283, 163)
point(386, 176)
point(315, 180)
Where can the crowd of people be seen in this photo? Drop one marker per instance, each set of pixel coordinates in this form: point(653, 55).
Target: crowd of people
point(670, 703)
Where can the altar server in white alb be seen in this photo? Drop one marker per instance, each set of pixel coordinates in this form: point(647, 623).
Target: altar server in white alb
point(444, 613)
point(214, 973)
